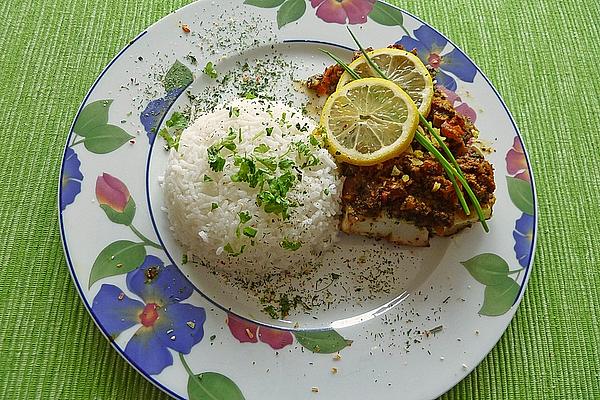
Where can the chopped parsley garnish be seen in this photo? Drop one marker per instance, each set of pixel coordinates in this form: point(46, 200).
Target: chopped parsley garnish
point(284, 305)
point(272, 311)
point(305, 152)
point(313, 140)
point(274, 204)
point(282, 185)
point(207, 178)
point(262, 148)
point(209, 70)
point(215, 160)
point(292, 245)
point(274, 176)
point(249, 231)
point(173, 128)
point(274, 199)
point(248, 172)
point(228, 142)
point(214, 206)
point(302, 148)
point(269, 131)
point(171, 141)
point(177, 121)
point(269, 162)
point(286, 163)
point(255, 80)
point(244, 216)
point(234, 112)
point(184, 259)
point(232, 252)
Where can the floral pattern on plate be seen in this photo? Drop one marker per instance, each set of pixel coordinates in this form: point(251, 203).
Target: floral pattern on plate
point(71, 179)
point(175, 81)
point(149, 308)
point(519, 181)
point(165, 322)
point(248, 332)
point(324, 341)
point(335, 11)
point(432, 49)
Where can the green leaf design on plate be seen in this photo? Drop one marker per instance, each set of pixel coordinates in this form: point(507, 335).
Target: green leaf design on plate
point(264, 3)
point(325, 341)
point(117, 258)
point(92, 116)
point(521, 194)
point(123, 218)
point(98, 135)
point(105, 138)
point(487, 268)
point(178, 76)
point(498, 299)
point(387, 15)
point(290, 11)
point(212, 386)
point(500, 290)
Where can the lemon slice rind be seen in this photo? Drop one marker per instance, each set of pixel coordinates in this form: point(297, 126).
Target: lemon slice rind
point(369, 121)
point(403, 68)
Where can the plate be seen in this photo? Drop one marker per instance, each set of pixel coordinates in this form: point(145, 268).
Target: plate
point(387, 321)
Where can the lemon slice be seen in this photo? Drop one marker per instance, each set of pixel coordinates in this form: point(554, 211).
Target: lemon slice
point(369, 121)
point(403, 68)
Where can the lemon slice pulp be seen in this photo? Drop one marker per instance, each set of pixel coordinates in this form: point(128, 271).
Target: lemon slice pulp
point(369, 121)
point(403, 68)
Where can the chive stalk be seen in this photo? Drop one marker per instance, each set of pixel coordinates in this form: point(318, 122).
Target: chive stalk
point(442, 144)
point(452, 172)
point(374, 66)
point(429, 146)
point(422, 118)
point(452, 168)
point(349, 70)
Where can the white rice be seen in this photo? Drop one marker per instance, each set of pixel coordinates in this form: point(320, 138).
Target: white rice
point(210, 233)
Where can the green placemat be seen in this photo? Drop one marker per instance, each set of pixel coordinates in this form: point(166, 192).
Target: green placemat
point(542, 57)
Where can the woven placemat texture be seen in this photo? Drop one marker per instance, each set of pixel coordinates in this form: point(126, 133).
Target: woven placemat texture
point(542, 57)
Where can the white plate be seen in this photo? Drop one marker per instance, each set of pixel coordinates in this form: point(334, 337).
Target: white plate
point(194, 336)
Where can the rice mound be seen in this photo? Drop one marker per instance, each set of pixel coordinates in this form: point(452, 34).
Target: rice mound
point(204, 213)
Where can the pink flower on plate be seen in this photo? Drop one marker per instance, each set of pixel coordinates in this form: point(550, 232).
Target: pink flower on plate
point(516, 163)
point(467, 111)
point(111, 192)
point(462, 107)
point(452, 97)
point(248, 332)
point(343, 11)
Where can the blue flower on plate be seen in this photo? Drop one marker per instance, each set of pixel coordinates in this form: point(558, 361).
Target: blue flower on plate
point(164, 321)
point(175, 81)
point(71, 179)
point(430, 46)
point(156, 110)
point(523, 235)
